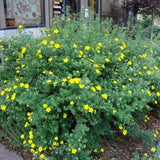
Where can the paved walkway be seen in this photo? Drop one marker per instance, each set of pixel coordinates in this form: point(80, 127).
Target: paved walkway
point(8, 155)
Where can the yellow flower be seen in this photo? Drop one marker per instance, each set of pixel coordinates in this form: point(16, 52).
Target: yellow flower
point(44, 42)
point(129, 63)
point(154, 135)
point(125, 132)
point(45, 105)
point(68, 19)
point(61, 142)
point(149, 93)
point(49, 81)
point(87, 48)
point(130, 79)
point(48, 109)
point(153, 149)
point(98, 51)
point(95, 150)
point(90, 110)
point(22, 136)
point(71, 103)
point(40, 149)
point(93, 89)
point(40, 56)
point(39, 51)
point(5, 81)
point(28, 114)
point(24, 142)
point(22, 65)
point(96, 65)
point(30, 141)
point(148, 72)
point(114, 111)
point(64, 115)
point(56, 138)
point(120, 127)
point(77, 80)
point(56, 31)
point(26, 124)
point(54, 83)
point(155, 102)
point(74, 151)
point(74, 46)
point(121, 47)
point(98, 87)
point(51, 42)
point(6, 59)
point(155, 67)
point(26, 86)
point(64, 80)
point(146, 154)
point(2, 93)
point(144, 67)
point(32, 145)
point(7, 97)
point(20, 26)
point(102, 150)
point(124, 45)
point(122, 55)
point(50, 72)
point(50, 59)
point(100, 44)
point(98, 71)
point(114, 82)
point(13, 96)
point(21, 84)
point(57, 45)
point(81, 86)
point(105, 96)
point(107, 60)
point(116, 39)
point(129, 91)
point(42, 156)
point(158, 94)
point(86, 107)
point(65, 60)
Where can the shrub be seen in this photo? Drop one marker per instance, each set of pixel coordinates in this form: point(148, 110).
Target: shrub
point(64, 90)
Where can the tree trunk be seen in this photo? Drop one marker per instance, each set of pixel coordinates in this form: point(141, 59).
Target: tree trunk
point(152, 24)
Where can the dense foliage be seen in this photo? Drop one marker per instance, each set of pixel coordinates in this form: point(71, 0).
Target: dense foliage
point(64, 90)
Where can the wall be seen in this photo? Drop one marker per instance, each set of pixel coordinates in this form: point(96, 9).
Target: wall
point(13, 32)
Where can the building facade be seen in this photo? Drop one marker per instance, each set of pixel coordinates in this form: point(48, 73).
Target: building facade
point(35, 14)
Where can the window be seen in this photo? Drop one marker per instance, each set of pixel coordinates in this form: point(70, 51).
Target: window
point(23, 12)
point(74, 5)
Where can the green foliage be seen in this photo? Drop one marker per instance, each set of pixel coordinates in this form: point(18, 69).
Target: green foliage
point(146, 29)
point(64, 90)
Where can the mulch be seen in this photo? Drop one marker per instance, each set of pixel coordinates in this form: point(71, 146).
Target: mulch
point(120, 149)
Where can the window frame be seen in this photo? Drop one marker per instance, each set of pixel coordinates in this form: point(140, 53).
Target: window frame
point(32, 26)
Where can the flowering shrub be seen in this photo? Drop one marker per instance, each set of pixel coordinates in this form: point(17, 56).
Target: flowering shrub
point(64, 90)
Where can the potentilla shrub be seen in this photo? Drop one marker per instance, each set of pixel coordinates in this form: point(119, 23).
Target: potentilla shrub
point(64, 90)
